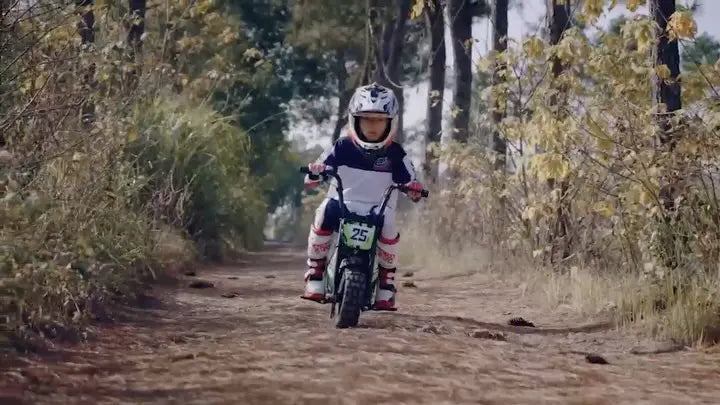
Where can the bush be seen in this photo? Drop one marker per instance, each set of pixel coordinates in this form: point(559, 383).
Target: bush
point(194, 166)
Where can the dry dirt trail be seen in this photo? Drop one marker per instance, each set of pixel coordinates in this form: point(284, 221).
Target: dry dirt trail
point(266, 346)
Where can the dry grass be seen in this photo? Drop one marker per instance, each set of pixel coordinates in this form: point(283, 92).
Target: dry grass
point(172, 252)
point(686, 309)
point(669, 306)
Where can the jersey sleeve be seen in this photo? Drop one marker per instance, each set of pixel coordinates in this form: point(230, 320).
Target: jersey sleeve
point(329, 156)
point(403, 168)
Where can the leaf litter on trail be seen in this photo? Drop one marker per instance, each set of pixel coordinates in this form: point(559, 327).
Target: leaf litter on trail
point(201, 284)
point(595, 359)
point(487, 334)
point(520, 321)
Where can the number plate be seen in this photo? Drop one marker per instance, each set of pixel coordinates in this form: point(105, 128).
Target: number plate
point(358, 236)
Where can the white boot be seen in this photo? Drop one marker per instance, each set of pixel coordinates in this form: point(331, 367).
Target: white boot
point(314, 284)
point(318, 248)
point(387, 254)
point(385, 297)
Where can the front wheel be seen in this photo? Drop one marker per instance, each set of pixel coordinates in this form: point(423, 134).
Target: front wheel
point(353, 291)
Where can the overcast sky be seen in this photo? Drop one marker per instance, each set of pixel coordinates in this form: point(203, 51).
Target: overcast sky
point(522, 22)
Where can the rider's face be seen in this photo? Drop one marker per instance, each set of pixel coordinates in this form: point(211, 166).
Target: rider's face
point(373, 127)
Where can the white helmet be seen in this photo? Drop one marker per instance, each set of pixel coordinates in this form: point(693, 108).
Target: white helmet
point(373, 100)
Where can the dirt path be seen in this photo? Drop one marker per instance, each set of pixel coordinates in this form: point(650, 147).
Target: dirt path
point(266, 346)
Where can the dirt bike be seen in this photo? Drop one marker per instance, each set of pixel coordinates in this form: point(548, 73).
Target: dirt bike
point(351, 275)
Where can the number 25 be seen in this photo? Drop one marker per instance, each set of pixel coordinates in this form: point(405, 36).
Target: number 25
point(359, 235)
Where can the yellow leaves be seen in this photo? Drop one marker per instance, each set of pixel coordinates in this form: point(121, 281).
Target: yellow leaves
point(228, 35)
point(85, 247)
point(592, 9)
point(513, 128)
point(604, 208)
point(663, 71)
point(417, 9)
point(633, 5)
point(201, 8)
point(252, 53)
point(604, 145)
point(455, 111)
point(468, 43)
point(534, 47)
point(564, 50)
point(643, 32)
point(530, 213)
point(133, 135)
point(485, 64)
point(435, 97)
point(573, 47)
point(547, 166)
point(681, 25)
point(189, 44)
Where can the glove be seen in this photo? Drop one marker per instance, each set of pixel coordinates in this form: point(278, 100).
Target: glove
point(317, 168)
point(414, 189)
point(313, 179)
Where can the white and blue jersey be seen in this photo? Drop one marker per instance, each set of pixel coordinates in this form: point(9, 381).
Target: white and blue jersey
point(366, 178)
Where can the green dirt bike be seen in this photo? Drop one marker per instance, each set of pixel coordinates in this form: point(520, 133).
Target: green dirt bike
point(351, 276)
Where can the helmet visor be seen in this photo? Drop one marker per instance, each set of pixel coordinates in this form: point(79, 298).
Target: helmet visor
point(372, 114)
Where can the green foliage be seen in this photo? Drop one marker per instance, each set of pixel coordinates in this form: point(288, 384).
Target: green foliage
point(195, 166)
point(185, 142)
point(703, 50)
point(328, 25)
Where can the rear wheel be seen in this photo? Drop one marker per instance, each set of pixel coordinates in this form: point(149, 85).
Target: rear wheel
point(353, 290)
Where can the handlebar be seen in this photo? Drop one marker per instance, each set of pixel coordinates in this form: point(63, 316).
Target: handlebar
point(332, 172)
point(327, 172)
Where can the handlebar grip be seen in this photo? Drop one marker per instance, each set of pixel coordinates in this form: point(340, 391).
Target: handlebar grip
point(423, 193)
point(330, 171)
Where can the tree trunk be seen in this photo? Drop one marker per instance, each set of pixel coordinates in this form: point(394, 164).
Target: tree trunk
point(86, 25)
point(559, 22)
point(389, 56)
point(137, 25)
point(500, 22)
point(436, 90)
point(461, 29)
point(667, 92)
point(344, 94)
point(86, 30)
point(666, 53)
point(5, 34)
point(135, 31)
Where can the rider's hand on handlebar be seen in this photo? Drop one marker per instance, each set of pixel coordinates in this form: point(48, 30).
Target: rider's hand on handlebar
point(313, 179)
point(414, 189)
point(317, 168)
